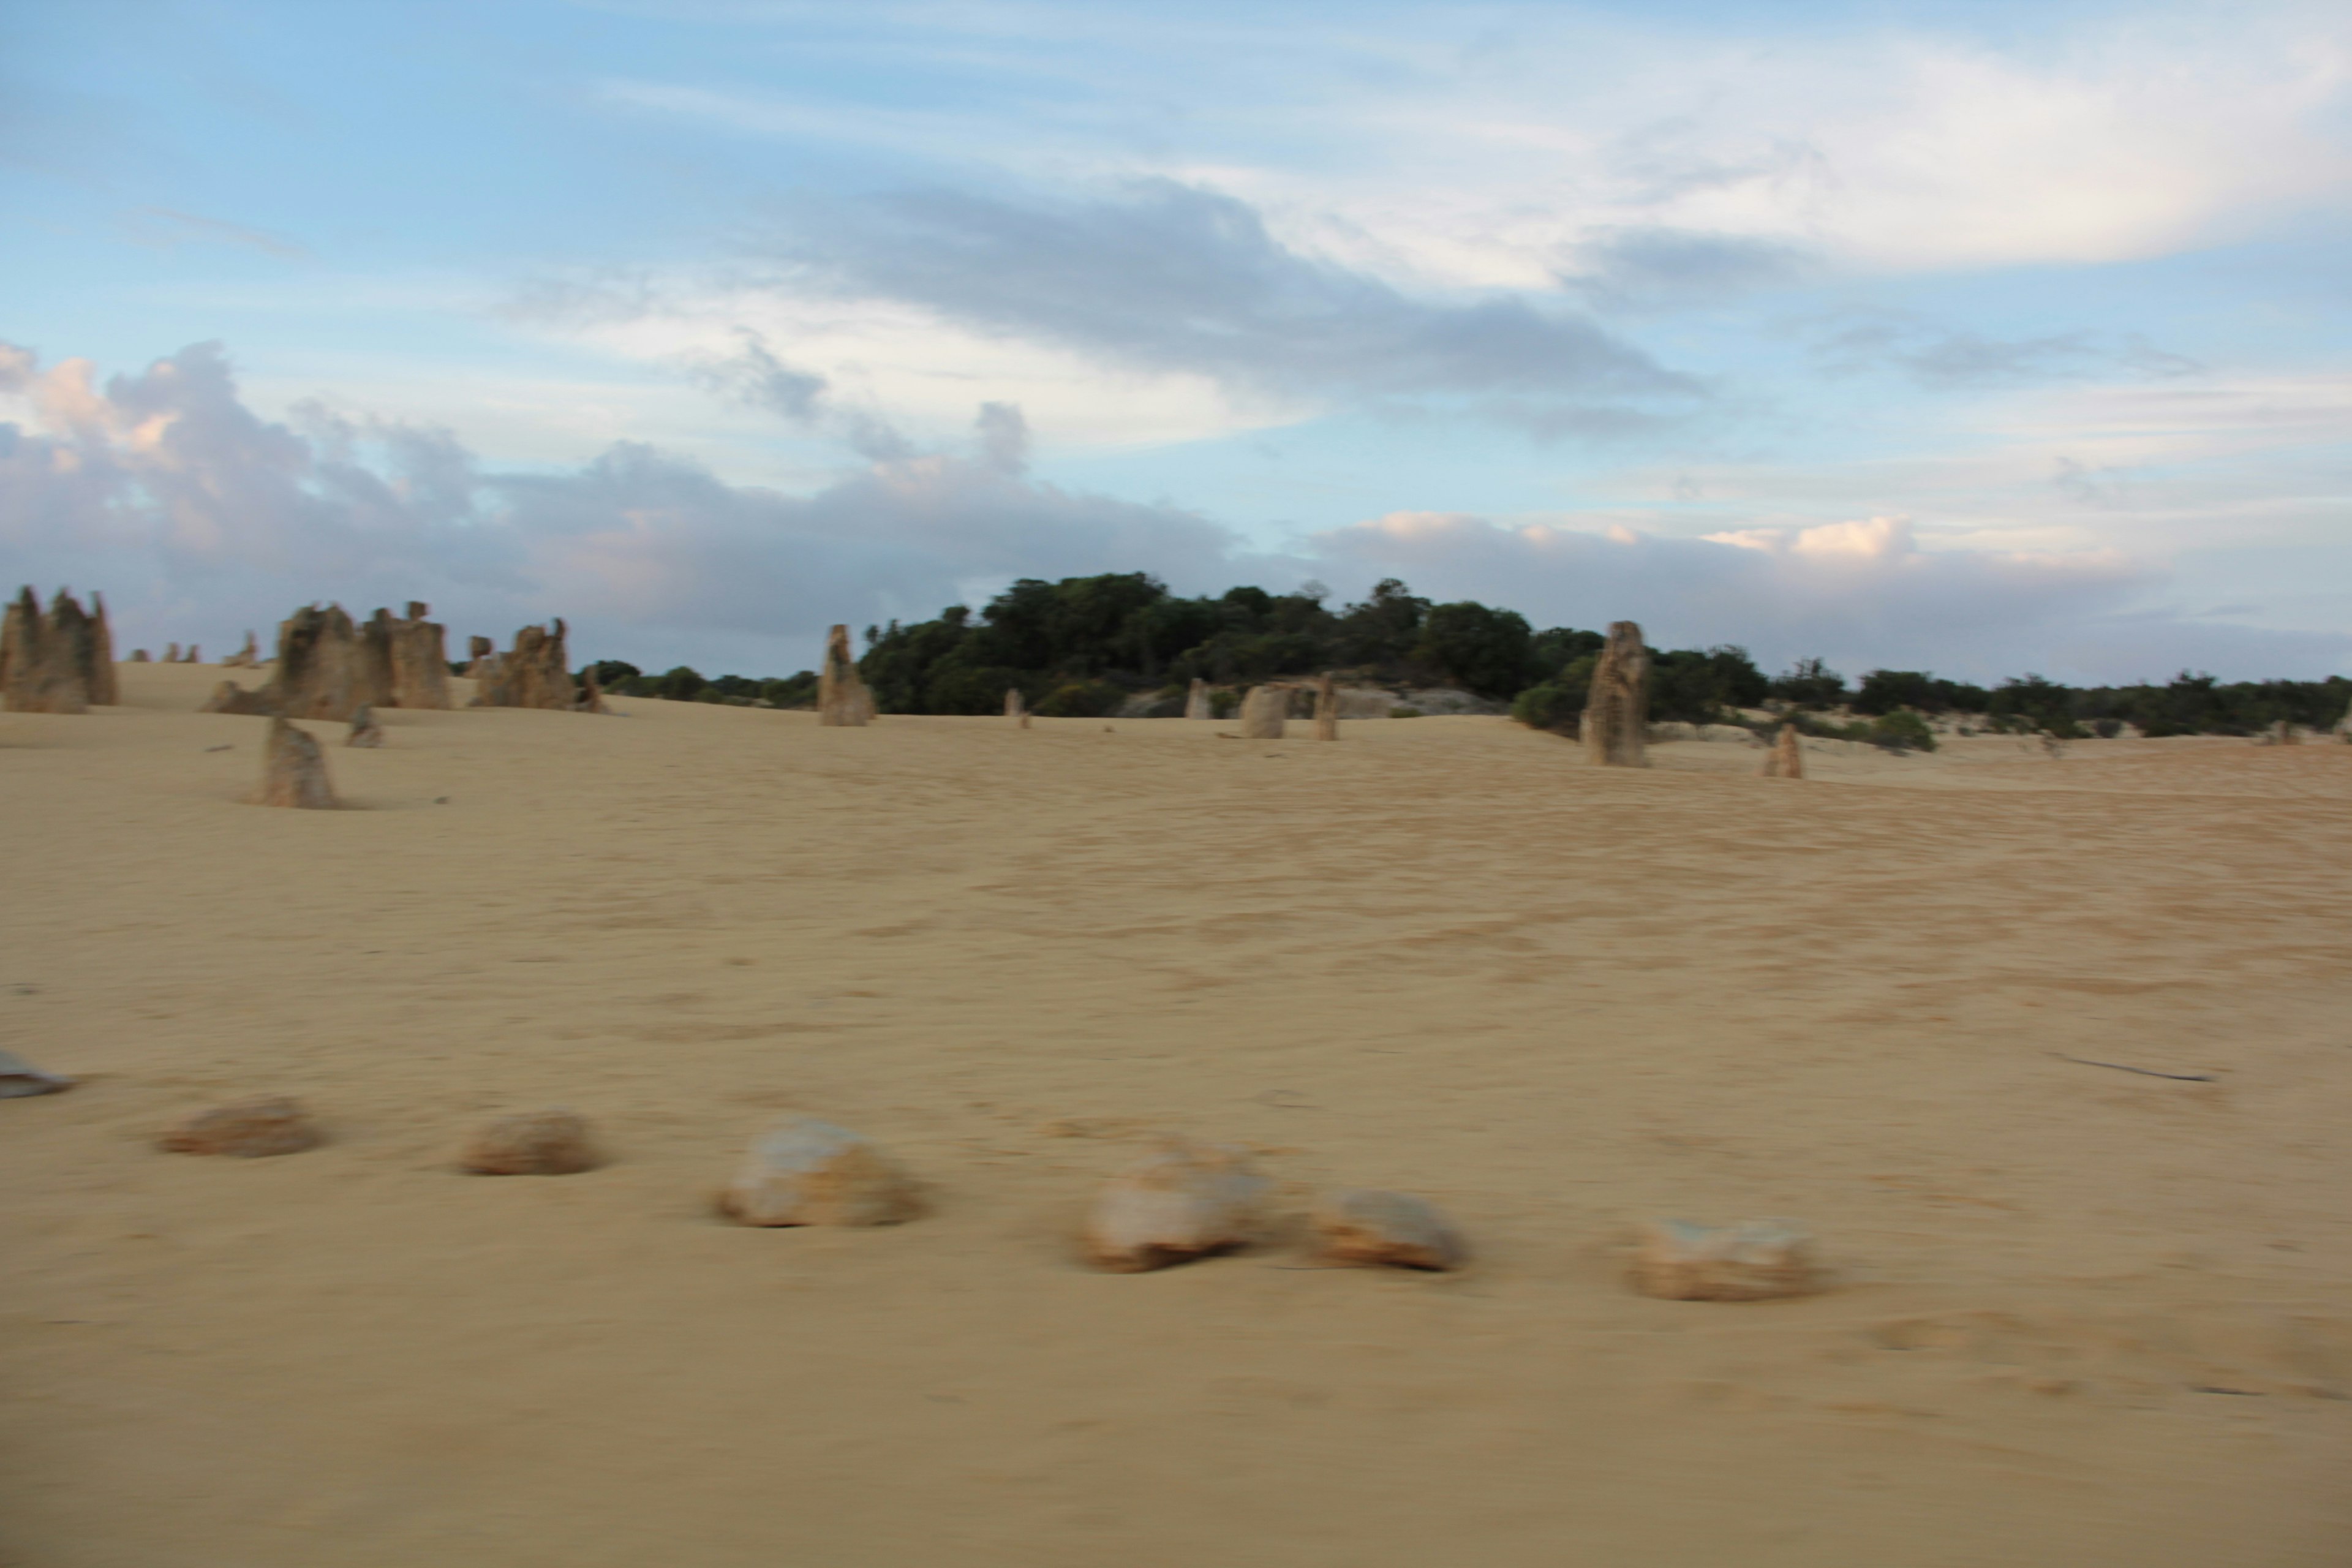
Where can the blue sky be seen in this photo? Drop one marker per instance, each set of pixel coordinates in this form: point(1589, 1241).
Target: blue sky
point(1983, 338)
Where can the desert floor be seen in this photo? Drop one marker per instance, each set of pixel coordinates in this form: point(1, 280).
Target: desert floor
point(2083, 1317)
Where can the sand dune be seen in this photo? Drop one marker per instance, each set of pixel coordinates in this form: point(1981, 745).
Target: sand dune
point(2083, 1318)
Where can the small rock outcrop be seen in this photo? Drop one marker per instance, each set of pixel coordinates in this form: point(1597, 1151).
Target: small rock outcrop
point(1619, 706)
point(478, 650)
point(1196, 700)
point(20, 1080)
point(841, 695)
point(171, 653)
point(1263, 711)
point(1394, 1228)
point(293, 769)
point(250, 1129)
point(1327, 709)
point(228, 697)
point(533, 674)
point(531, 1144)
point(808, 1172)
point(1752, 1261)
point(246, 658)
point(364, 731)
point(1787, 758)
point(191, 656)
point(322, 673)
point(60, 660)
point(1181, 1201)
point(1014, 708)
point(139, 655)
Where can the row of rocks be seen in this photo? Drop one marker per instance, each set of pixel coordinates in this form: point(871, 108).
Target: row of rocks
point(1180, 1200)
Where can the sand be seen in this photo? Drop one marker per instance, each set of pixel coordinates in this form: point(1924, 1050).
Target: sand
point(2081, 1317)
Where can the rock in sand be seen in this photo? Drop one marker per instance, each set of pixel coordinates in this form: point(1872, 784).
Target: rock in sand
point(1181, 1201)
point(20, 1080)
point(1752, 1261)
point(1398, 1228)
point(293, 769)
point(247, 1128)
point(531, 1143)
point(808, 1172)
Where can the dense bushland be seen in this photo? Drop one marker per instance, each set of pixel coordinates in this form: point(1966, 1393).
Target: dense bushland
point(1086, 646)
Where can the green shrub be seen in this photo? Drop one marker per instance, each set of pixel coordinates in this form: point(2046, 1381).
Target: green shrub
point(1224, 702)
point(1079, 699)
point(1550, 707)
point(1404, 712)
point(2106, 728)
point(1902, 730)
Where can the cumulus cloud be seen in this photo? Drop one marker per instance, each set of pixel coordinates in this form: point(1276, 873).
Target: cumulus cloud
point(199, 518)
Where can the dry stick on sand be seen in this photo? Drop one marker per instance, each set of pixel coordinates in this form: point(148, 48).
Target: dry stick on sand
point(2144, 1072)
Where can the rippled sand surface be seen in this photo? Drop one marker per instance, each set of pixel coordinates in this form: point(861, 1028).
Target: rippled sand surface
point(2082, 1316)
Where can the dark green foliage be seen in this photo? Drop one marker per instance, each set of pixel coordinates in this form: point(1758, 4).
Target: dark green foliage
point(1551, 706)
point(1884, 691)
point(1903, 730)
point(1809, 683)
point(1698, 687)
point(1485, 650)
point(609, 673)
point(1081, 700)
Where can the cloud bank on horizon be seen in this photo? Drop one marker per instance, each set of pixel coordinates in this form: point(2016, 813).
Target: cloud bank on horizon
point(1982, 341)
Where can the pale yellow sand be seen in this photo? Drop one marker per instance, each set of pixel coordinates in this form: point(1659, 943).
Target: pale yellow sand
point(2086, 1317)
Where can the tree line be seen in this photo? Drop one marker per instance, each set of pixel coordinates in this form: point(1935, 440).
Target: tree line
point(1087, 646)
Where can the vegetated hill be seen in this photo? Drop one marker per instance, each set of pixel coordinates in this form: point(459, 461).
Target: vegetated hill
point(1086, 646)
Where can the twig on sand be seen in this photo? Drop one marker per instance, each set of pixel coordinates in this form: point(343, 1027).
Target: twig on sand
point(2144, 1072)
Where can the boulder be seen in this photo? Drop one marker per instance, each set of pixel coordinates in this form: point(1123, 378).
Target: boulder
point(364, 731)
point(1196, 700)
point(60, 660)
point(808, 1172)
point(1396, 1229)
point(1619, 706)
point(247, 1128)
point(841, 695)
point(531, 1144)
point(20, 1080)
point(1787, 758)
point(293, 769)
point(1181, 1201)
point(1752, 1261)
point(1326, 710)
point(534, 674)
point(228, 697)
point(1263, 711)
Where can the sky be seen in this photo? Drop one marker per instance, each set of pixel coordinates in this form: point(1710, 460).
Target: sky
point(1984, 338)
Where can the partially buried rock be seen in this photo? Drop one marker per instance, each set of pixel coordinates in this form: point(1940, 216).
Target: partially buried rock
point(365, 731)
point(293, 769)
point(1183, 1200)
point(228, 697)
point(249, 1128)
point(531, 1143)
point(1751, 1262)
point(20, 1079)
point(808, 1172)
point(1387, 1228)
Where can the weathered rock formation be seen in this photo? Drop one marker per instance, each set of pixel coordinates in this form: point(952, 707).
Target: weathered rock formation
point(57, 661)
point(20, 1080)
point(1752, 1261)
point(228, 697)
point(139, 655)
point(192, 655)
point(407, 659)
point(478, 649)
point(246, 658)
point(531, 1144)
point(808, 1172)
point(841, 695)
point(1196, 700)
point(293, 769)
point(364, 731)
point(1387, 1228)
point(1263, 712)
point(1619, 704)
point(1787, 758)
point(534, 674)
point(171, 653)
point(1182, 1200)
point(322, 673)
point(248, 1127)
point(1014, 708)
point(1327, 709)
